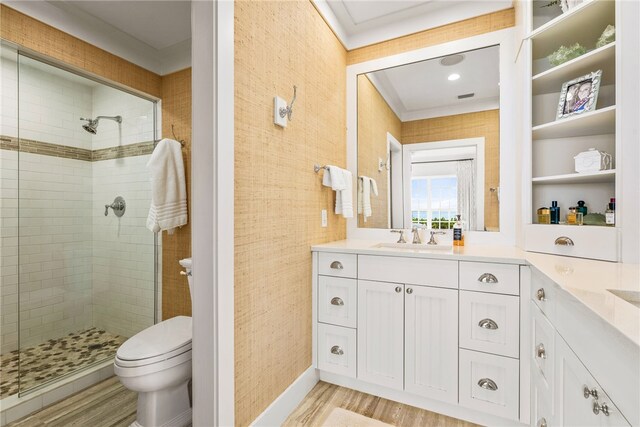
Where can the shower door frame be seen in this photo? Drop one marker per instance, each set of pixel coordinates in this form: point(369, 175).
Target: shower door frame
point(31, 54)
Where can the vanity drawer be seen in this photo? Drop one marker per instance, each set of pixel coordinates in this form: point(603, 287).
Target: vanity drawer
point(337, 299)
point(490, 323)
point(487, 277)
point(337, 350)
point(338, 265)
point(543, 294)
point(588, 242)
point(415, 271)
point(489, 383)
point(543, 345)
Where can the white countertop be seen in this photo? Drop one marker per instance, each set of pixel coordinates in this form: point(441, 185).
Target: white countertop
point(586, 280)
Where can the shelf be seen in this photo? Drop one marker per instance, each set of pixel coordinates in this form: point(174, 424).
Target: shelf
point(578, 178)
point(551, 81)
point(582, 24)
point(598, 122)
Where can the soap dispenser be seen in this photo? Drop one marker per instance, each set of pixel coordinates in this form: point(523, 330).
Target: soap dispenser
point(458, 233)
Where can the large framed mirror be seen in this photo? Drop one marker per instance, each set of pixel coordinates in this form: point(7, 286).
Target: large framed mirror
point(431, 136)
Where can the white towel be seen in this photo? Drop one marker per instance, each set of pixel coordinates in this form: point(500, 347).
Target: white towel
point(168, 187)
point(366, 186)
point(340, 180)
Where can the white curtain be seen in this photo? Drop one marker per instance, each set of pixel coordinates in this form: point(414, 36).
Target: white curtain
point(466, 172)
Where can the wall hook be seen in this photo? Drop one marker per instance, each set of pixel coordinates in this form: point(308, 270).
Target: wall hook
point(288, 110)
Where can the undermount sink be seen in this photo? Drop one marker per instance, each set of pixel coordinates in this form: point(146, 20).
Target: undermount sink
point(414, 247)
point(632, 297)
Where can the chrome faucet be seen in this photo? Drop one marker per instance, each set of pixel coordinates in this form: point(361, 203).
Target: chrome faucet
point(432, 240)
point(401, 239)
point(416, 235)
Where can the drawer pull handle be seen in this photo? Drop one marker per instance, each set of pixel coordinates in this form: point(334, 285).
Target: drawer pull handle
point(337, 301)
point(488, 384)
point(488, 278)
point(336, 265)
point(587, 393)
point(488, 324)
point(563, 241)
point(541, 353)
point(542, 422)
point(540, 295)
point(604, 408)
point(398, 289)
point(337, 350)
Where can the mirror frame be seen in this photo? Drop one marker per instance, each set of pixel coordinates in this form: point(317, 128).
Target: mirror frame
point(509, 105)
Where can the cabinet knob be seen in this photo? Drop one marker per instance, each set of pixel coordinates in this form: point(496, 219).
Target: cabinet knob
point(487, 278)
point(409, 291)
point(597, 408)
point(398, 289)
point(337, 350)
point(563, 241)
point(587, 393)
point(336, 265)
point(488, 384)
point(542, 422)
point(540, 295)
point(337, 301)
point(541, 353)
point(488, 324)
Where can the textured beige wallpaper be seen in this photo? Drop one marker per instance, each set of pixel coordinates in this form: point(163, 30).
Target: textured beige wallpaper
point(470, 125)
point(176, 111)
point(278, 197)
point(375, 119)
point(458, 30)
point(47, 40)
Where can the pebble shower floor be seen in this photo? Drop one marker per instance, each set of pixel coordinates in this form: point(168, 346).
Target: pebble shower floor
point(55, 358)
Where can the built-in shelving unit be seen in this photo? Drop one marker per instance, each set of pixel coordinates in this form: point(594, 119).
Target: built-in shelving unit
point(554, 143)
point(598, 122)
point(578, 178)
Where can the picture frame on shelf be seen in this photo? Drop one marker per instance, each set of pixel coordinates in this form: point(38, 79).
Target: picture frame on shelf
point(579, 95)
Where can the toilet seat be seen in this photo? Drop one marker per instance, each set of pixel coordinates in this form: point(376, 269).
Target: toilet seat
point(162, 341)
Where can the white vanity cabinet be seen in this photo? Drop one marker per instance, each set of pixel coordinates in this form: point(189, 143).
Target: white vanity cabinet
point(563, 391)
point(430, 342)
point(380, 337)
point(439, 333)
point(580, 400)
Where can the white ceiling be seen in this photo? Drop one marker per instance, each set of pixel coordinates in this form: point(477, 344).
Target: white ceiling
point(422, 89)
point(160, 24)
point(362, 22)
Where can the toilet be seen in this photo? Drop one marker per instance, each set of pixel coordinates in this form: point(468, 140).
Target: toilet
point(156, 363)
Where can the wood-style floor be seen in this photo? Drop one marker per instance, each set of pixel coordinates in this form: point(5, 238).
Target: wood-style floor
point(315, 408)
point(106, 404)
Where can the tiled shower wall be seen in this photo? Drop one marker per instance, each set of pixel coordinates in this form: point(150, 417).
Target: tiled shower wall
point(68, 280)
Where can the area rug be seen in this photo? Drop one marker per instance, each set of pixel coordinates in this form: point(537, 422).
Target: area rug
point(339, 417)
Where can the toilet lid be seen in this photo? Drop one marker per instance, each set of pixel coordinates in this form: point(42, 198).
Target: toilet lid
point(157, 340)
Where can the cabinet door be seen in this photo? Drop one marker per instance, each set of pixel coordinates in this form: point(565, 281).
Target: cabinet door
point(431, 342)
point(572, 408)
point(380, 333)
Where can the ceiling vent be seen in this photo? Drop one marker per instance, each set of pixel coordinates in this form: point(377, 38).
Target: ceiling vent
point(450, 60)
point(466, 95)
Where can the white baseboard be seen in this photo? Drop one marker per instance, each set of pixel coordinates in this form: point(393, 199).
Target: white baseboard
point(279, 410)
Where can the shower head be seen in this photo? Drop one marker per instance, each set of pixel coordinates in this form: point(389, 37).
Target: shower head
point(92, 126)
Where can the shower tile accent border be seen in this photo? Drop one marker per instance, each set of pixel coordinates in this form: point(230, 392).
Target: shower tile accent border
point(55, 150)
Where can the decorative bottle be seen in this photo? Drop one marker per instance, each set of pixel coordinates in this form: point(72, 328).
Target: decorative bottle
point(610, 213)
point(555, 213)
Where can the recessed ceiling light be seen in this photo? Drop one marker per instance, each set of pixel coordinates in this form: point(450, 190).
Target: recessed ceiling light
point(453, 77)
